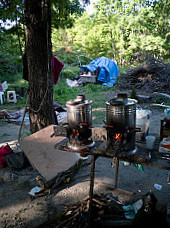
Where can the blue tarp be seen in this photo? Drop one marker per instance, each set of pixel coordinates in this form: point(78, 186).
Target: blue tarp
point(107, 70)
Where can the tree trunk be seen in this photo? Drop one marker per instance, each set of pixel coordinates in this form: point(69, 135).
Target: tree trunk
point(113, 46)
point(37, 19)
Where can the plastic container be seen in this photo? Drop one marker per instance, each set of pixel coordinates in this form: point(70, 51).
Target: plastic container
point(164, 146)
point(142, 121)
point(167, 113)
point(150, 139)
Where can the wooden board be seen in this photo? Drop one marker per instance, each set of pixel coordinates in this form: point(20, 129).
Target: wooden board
point(89, 79)
point(40, 151)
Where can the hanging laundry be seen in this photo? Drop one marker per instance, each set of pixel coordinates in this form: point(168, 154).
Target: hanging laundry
point(57, 68)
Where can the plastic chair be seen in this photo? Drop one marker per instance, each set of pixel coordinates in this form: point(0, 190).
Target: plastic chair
point(4, 86)
point(1, 96)
point(11, 96)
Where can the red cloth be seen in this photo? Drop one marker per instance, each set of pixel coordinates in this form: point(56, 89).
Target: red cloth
point(4, 151)
point(1, 89)
point(57, 67)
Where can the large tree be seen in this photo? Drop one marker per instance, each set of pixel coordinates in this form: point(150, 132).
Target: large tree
point(37, 20)
point(38, 55)
point(37, 59)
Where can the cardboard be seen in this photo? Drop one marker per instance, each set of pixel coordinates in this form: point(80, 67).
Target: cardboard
point(40, 150)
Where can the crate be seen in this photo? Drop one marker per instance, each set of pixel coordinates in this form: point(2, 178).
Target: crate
point(88, 78)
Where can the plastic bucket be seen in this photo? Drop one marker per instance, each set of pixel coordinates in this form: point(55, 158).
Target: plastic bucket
point(150, 139)
point(142, 121)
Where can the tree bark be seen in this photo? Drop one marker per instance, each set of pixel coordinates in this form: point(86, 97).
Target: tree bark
point(37, 19)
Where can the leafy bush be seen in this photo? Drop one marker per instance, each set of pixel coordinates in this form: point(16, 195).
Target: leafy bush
point(66, 55)
point(8, 67)
point(10, 59)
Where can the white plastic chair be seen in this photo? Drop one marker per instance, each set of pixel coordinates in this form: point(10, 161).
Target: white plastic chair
point(11, 96)
point(1, 96)
point(4, 86)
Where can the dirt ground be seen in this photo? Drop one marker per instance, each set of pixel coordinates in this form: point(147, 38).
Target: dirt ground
point(17, 209)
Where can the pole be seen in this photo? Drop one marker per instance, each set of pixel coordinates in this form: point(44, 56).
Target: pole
point(116, 174)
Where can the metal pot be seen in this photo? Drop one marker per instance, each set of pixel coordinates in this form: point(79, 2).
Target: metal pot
point(79, 111)
point(121, 112)
point(121, 118)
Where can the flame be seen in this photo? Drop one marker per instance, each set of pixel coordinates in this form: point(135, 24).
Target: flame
point(75, 132)
point(118, 137)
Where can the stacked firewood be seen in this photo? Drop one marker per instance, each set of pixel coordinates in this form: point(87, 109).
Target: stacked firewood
point(154, 75)
point(105, 209)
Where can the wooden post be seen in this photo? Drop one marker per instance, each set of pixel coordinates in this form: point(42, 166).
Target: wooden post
point(116, 174)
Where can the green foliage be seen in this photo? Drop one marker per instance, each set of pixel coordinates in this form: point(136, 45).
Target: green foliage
point(10, 60)
point(63, 15)
point(117, 30)
point(66, 55)
point(120, 29)
point(62, 92)
point(64, 12)
point(93, 88)
point(69, 72)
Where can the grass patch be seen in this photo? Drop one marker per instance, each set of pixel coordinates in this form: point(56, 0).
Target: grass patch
point(19, 105)
point(62, 92)
point(69, 72)
point(98, 117)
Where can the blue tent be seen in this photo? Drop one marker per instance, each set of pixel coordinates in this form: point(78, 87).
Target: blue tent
point(107, 70)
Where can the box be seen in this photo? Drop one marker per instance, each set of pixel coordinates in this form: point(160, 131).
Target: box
point(88, 78)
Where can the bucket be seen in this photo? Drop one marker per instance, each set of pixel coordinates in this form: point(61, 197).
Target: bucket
point(142, 121)
point(150, 139)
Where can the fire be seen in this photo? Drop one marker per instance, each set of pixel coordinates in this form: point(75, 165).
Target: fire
point(118, 137)
point(75, 132)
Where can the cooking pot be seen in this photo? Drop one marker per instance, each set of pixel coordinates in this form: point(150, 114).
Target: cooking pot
point(121, 112)
point(79, 112)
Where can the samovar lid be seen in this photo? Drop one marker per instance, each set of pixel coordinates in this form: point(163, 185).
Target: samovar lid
point(121, 100)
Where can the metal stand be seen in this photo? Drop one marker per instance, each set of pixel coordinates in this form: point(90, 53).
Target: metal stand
point(92, 176)
point(93, 159)
point(116, 174)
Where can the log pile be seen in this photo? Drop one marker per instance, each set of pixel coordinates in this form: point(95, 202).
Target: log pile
point(105, 209)
point(154, 75)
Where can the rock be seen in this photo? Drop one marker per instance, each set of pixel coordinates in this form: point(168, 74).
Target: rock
point(8, 176)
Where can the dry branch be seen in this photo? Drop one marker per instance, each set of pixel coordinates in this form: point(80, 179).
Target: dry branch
point(154, 75)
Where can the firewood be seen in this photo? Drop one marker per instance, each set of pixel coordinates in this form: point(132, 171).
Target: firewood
point(155, 73)
point(99, 202)
point(67, 220)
